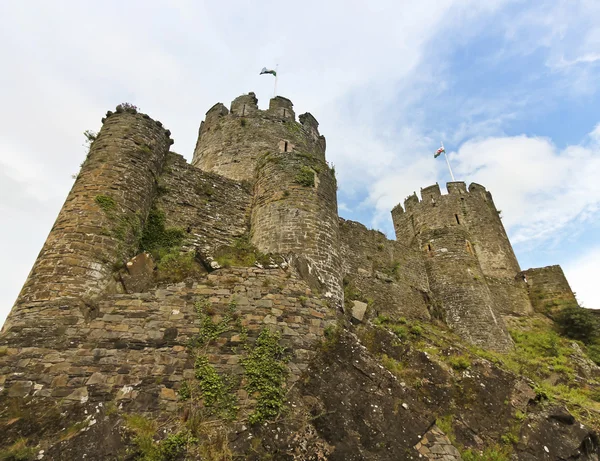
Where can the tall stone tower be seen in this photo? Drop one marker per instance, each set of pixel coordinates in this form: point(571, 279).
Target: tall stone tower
point(468, 259)
point(103, 215)
point(294, 209)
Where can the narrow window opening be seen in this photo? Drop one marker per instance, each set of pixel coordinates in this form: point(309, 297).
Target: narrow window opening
point(244, 110)
point(285, 147)
point(429, 247)
point(457, 220)
point(284, 112)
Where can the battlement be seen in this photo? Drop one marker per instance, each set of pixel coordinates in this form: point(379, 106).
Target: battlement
point(255, 132)
point(282, 107)
point(431, 193)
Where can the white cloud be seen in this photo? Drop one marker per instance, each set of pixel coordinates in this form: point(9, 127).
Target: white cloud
point(582, 274)
point(542, 190)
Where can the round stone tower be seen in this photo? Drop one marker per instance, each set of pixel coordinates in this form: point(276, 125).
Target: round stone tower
point(230, 142)
point(101, 220)
point(466, 250)
point(294, 210)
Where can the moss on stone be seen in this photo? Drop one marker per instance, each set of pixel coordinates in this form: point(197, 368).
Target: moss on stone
point(158, 239)
point(306, 177)
point(107, 203)
point(241, 253)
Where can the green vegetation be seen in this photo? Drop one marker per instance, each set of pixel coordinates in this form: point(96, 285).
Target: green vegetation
point(540, 354)
point(241, 253)
point(185, 392)
point(147, 448)
point(265, 374)
point(209, 330)
point(217, 391)
point(264, 363)
point(204, 188)
point(164, 243)
point(126, 226)
point(176, 266)
point(492, 453)
point(578, 323)
point(306, 177)
point(127, 107)
point(18, 451)
point(243, 122)
point(459, 362)
point(107, 203)
point(392, 365)
point(158, 239)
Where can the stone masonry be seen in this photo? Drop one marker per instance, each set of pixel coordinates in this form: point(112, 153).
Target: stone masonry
point(79, 332)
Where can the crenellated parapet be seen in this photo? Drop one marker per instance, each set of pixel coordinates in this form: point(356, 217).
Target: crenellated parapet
point(231, 142)
point(473, 209)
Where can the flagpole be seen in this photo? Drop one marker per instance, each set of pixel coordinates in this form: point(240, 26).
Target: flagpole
point(276, 73)
point(448, 163)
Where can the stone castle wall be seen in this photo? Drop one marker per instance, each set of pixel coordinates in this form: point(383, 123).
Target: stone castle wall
point(135, 347)
point(549, 288)
point(295, 211)
point(460, 289)
point(103, 214)
point(473, 272)
point(256, 173)
point(389, 275)
point(212, 210)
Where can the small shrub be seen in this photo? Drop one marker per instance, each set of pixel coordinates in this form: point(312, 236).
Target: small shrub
point(217, 391)
point(158, 239)
point(241, 253)
point(593, 353)
point(577, 323)
point(18, 451)
point(243, 122)
point(459, 362)
point(306, 177)
point(127, 107)
point(416, 330)
point(185, 391)
point(394, 366)
point(399, 331)
point(175, 266)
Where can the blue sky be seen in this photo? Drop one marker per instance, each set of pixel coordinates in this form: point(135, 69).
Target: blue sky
point(511, 87)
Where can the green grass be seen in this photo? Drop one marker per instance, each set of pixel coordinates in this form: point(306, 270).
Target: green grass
point(18, 451)
point(148, 448)
point(241, 253)
point(305, 177)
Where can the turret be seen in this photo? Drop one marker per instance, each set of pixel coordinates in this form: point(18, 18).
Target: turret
point(230, 143)
point(465, 227)
point(101, 220)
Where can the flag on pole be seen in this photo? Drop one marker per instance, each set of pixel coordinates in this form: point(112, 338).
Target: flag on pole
point(268, 71)
point(439, 152)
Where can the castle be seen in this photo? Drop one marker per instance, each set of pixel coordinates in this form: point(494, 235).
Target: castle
point(93, 320)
